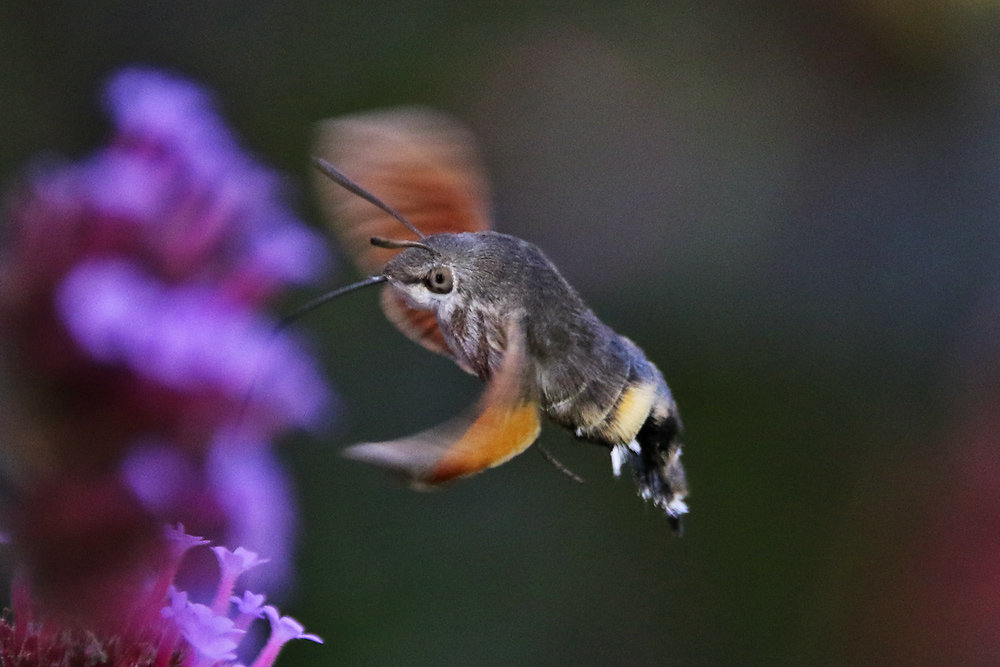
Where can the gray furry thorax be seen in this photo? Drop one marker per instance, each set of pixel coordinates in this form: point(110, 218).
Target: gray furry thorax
point(574, 359)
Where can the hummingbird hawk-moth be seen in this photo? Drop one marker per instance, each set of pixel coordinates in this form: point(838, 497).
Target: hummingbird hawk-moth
point(492, 303)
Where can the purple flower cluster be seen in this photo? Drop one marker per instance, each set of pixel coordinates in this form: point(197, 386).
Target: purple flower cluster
point(183, 633)
point(211, 634)
point(145, 381)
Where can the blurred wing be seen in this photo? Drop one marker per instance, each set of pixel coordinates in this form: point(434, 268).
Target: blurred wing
point(502, 425)
point(419, 162)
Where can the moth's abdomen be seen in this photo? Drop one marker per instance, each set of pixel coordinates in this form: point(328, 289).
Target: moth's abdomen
point(622, 423)
point(655, 459)
point(643, 430)
point(642, 390)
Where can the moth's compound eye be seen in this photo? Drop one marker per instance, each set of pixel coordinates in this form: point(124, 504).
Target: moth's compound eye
point(439, 280)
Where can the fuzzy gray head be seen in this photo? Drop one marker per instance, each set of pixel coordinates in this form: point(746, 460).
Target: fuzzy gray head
point(477, 283)
point(481, 269)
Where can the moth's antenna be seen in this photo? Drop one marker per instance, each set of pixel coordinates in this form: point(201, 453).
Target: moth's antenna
point(343, 181)
point(312, 305)
point(559, 466)
point(389, 244)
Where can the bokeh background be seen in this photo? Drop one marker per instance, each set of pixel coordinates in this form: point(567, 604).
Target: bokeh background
point(793, 207)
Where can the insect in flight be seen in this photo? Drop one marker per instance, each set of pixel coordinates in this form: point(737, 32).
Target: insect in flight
point(414, 212)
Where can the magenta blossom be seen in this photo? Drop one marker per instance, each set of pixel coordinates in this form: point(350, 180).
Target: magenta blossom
point(148, 379)
point(145, 266)
point(166, 628)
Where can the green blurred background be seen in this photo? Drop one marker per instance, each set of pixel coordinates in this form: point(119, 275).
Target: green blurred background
point(791, 206)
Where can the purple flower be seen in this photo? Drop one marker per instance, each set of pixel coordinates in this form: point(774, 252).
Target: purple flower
point(181, 633)
point(283, 630)
point(157, 112)
point(235, 563)
point(250, 603)
point(180, 541)
point(132, 289)
point(232, 564)
point(212, 634)
point(214, 637)
point(250, 607)
point(186, 338)
point(286, 628)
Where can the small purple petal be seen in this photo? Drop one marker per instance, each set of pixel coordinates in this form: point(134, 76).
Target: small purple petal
point(179, 538)
point(251, 604)
point(286, 628)
point(214, 637)
point(232, 564)
point(237, 562)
